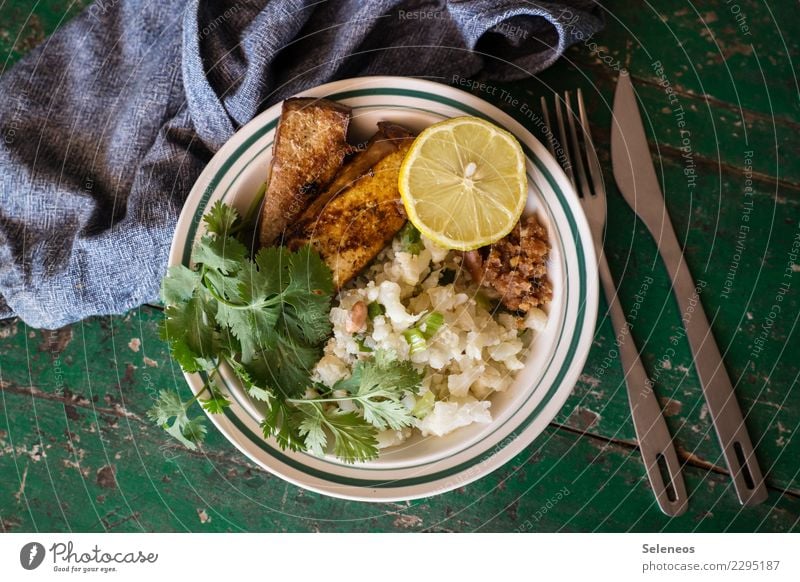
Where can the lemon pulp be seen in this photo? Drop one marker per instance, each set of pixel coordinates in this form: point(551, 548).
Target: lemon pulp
point(463, 183)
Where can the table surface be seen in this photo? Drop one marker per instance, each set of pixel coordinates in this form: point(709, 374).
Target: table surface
point(84, 458)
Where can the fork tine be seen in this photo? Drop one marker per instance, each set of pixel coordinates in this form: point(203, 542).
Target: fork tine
point(576, 148)
point(551, 138)
point(591, 153)
point(562, 135)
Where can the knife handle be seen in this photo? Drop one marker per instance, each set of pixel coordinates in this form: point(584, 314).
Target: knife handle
point(725, 412)
point(655, 441)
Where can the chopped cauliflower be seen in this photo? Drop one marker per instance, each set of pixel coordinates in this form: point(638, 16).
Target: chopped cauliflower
point(391, 438)
point(471, 355)
point(389, 297)
point(329, 370)
point(448, 416)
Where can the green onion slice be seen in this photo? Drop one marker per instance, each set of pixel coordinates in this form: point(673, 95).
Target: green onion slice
point(423, 406)
point(432, 322)
point(415, 340)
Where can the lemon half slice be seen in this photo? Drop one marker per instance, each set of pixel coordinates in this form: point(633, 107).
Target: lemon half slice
point(463, 183)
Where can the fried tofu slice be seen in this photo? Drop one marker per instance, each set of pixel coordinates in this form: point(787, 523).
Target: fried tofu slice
point(361, 212)
point(309, 149)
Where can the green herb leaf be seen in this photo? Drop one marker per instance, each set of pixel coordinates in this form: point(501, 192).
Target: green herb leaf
point(273, 264)
point(411, 239)
point(378, 387)
point(283, 423)
point(261, 394)
point(189, 329)
point(266, 317)
point(309, 291)
point(216, 403)
point(253, 326)
point(362, 347)
point(179, 285)
point(285, 367)
point(194, 431)
point(169, 407)
point(310, 278)
point(223, 253)
point(221, 219)
point(354, 439)
point(255, 391)
point(312, 430)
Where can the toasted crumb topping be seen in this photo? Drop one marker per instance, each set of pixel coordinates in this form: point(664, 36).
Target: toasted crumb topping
point(516, 266)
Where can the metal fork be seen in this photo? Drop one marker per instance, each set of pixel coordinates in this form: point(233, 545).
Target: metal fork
point(579, 160)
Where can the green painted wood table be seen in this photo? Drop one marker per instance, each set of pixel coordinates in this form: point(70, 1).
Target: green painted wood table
point(719, 80)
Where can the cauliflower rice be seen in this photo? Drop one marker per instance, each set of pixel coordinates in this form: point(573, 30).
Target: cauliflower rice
point(472, 355)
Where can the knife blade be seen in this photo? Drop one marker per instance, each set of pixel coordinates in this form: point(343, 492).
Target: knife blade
point(638, 182)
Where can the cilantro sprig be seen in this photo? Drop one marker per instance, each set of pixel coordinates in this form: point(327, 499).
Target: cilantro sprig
point(377, 388)
point(267, 316)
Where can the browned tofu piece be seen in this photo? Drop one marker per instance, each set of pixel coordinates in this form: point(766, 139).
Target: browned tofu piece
point(361, 212)
point(310, 146)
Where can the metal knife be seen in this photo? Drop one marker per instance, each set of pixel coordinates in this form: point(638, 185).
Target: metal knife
point(636, 178)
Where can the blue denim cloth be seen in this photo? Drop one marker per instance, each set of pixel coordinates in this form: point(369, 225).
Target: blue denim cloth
point(108, 123)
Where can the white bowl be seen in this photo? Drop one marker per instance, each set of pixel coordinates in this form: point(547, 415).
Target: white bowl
point(420, 467)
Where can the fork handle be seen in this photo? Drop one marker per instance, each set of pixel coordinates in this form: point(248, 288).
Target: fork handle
point(655, 441)
point(723, 407)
